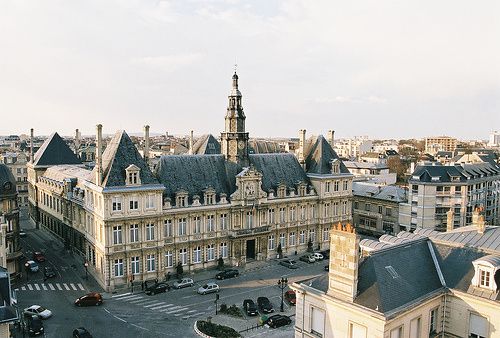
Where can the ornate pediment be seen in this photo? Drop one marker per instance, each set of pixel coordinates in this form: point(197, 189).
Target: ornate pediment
point(249, 185)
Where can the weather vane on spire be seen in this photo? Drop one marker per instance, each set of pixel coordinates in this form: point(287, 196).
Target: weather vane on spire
point(235, 66)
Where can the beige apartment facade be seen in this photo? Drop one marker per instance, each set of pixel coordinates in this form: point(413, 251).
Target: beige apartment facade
point(440, 143)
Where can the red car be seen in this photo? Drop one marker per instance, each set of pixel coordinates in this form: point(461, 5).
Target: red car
point(290, 297)
point(38, 256)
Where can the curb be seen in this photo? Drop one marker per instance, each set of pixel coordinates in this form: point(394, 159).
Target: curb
point(198, 332)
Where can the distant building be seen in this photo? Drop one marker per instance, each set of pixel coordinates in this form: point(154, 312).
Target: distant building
point(371, 172)
point(494, 140)
point(440, 143)
point(352, 148)
point(16, 161)
point(376, 207)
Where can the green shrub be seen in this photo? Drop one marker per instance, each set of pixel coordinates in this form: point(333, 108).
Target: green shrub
point(223, 308)
point(218, 331)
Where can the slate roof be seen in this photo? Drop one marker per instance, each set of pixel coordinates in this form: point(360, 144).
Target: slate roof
point(263, 147)
point(195, 173)
point(382, 192)
point(206, 145)
point(318, 156)
point(464, 171)
point(5, 177)
point(61, 172)
point(365, 165)
point(468, 236)
point(119, 154)
point(277, 169)
point(55, 151)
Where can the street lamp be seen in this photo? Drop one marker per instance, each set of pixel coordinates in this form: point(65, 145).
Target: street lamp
point(282, 284)
point(86, 265)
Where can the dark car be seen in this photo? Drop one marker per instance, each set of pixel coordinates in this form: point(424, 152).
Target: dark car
point(38, 256)
point(81, 332)
point(157, 288)
point(250, 307)
point(277, 321)
point(227, 274)
point(93, 298)
point(49, 272)
point(264, 305)
point(326, 254)
point(34, 324)
point(290, 297)
point(289, 263)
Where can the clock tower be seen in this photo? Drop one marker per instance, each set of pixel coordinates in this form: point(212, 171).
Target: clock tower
point(234, 139)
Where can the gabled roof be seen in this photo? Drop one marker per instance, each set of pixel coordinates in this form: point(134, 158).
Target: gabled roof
point(119, 154)
point(276, 169)
point(206, 145)
point(382, 192)
point(55, 151)
point(319, 155)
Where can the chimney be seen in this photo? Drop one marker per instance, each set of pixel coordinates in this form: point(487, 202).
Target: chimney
point(98, 157)
point(449, 220)
point(146, 143)
point(77, 141)
point(331, 134)
point(190, 143)
point(302, 142)
point(31, 145)
point(481, 225)
point(344, 259)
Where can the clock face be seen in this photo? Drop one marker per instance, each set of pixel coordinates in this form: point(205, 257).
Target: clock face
point(241, 144)
point(7, 186)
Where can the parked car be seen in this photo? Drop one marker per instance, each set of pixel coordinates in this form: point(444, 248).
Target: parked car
point(39, 311)
point(92, 298)
point(308, 258)
point(289, 263)
point(208, 288)
point(264, 305)
point(38, 256)
point(33, 324)
point(183, 283)
point(290, 297)
point(22, 233)
point(318, 256)
point(32, 266)
point(229, 273)
point(157, 288)
point(81, 332)
point(277, 321)
point(250, 307)
point(49, 272)
point(326, 253)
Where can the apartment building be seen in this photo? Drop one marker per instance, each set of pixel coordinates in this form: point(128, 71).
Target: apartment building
point(440, 143)
point(17, 161)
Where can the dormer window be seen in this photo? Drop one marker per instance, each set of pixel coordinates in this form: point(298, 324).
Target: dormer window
point(487, 273)
point(335, 166)
point(209, 196)
point(281, 191)
point(133, 175)
point(181, 199)
point(484, 278)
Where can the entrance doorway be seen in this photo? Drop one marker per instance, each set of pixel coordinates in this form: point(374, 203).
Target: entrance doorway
point(251, 249)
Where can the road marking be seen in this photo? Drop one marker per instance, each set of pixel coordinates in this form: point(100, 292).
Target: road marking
point(37, 287)
point(161, 307)
point(175, 311)
point(44, 287)
point(23, 288)
point(172, 308)
point(128, 297)
point(121, 295)
point(137, 300)
point(59, 286)
point(66, 286)
point(81, 286)
point(51, 287)
point(123, 320)
point(30, 287)
point(73, 286)
point(154, 304)
point(191, 311)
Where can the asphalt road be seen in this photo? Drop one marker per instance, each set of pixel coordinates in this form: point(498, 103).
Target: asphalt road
point(170, 314)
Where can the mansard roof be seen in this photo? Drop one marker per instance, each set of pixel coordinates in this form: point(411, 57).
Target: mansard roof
point(195, 173)
point(55, 151)
point(206, 145)
point(263, 147)
point(119, 154)
point(6, 177)
point(277, 169)
point(319, 155)
point(445, 173)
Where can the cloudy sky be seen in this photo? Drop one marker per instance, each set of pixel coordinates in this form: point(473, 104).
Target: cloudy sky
point(378, 68)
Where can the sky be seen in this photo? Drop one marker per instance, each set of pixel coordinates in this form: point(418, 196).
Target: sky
point(385, 69)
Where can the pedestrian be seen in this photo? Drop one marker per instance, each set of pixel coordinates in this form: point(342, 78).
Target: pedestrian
point(142, 285)
point(168, 275)
point(156, 281)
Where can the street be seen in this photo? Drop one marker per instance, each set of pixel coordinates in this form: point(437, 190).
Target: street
point(127, 314)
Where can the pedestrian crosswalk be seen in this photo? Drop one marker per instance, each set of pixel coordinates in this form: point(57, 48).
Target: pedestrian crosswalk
point(182, 311)
point(53, 287)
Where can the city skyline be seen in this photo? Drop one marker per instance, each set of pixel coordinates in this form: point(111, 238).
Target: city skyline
point(394, 71)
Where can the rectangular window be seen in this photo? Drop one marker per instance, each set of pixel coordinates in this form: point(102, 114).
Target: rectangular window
point(118, 267)
point(292, 214)
point(291, 240)
point(478, 326)
point(150, 201)
point(117, 204)
point(327, 186)
point(150, 263)
point(388, 211)
point(270, 242)
point(344, 208)
point(271, 216)
point(327, 210)
point(183, 256)
point(367, 207)
point(249, 219)
point(196, 224)
point(168, 231)
point(302, 212)
point(150, 232)
point(346, 185)
point(312, 235)
point(326, 234)
point(484, 279)
point(336, 186)
point(433, 321)
point(223, 250)
point(182, 226)
point(134, 203)
point(197, 254)
point(380, 209)
point(282, 215)
point(223, 221)
point(317, 321)
point(357, 331)
point(302, 237)
point(117, 234)
point(169, 259)
point(210, 252)
point(134, 233)
point(282, 240)
point(210, 223)
point(415, 328)
point(397, 333)
point(135, 265)
point(335, 208)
